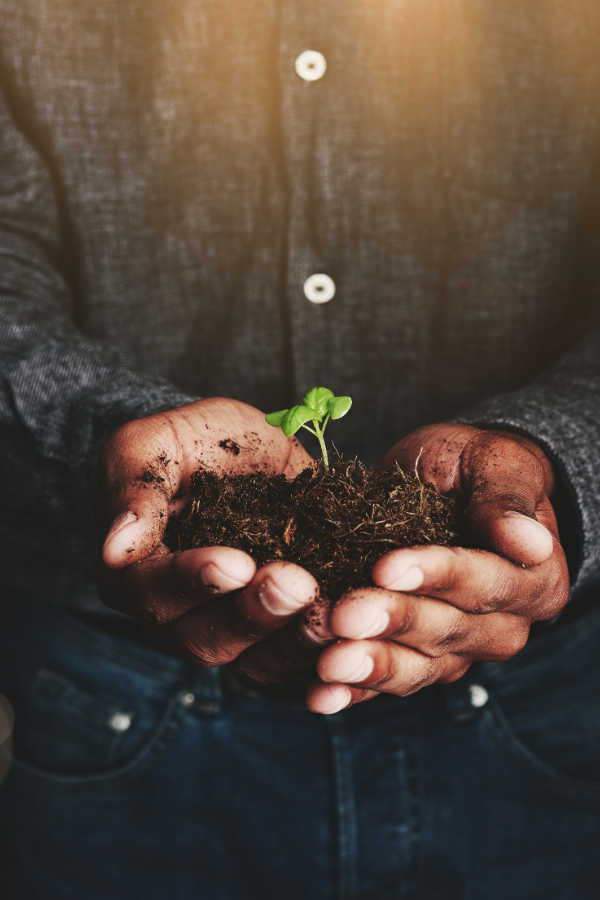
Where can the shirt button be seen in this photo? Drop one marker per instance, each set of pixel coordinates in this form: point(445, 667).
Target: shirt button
point(319, 288)
point(479, 696)
point(311, 65)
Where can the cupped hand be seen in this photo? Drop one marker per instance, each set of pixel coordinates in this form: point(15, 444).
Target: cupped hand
point(209, 605)
point(436, 610)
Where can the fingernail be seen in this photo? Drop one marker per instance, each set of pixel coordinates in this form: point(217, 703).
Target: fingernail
point(212, 577)
point(356, 671)
point(316, 628)
point(121, 522)
point(339, 697)
point(276, 601)
point(409, 581)
point(518, 515)
point(542, 537)
point(379, 622)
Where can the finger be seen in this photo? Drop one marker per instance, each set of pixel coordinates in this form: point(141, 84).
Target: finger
point(141, 472)
point(136, 533)
point(514, 535)
point(433, 452)
point(163, 589)
point(387, 667)
point(291, 650)
point(331, 698)
point(221, 630)
point(474, 580)
point(505, 486)
point(431, 626)
point(299, 459)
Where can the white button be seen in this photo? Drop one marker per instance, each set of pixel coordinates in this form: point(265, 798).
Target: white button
point(119, 721)
point(319, 288)
point(188, 698)
point(479, 695)
point(311, 65)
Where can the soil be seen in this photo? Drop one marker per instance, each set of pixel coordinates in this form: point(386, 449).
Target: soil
point(335, 525)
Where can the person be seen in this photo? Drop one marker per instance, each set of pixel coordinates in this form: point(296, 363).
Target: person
point(205, 210)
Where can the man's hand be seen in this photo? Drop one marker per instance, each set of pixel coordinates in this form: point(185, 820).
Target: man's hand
point(208, 605)
point(437, 610)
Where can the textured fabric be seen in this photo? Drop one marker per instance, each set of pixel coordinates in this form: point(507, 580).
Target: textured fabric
point(168, 182)
point(218, 796)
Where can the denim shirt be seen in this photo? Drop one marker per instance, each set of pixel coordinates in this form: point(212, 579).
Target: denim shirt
point(170, 180)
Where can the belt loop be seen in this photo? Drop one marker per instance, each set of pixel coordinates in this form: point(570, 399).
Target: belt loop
point(206, 688)
point(457, 701)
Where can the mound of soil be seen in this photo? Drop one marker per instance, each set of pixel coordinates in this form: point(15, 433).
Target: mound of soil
point(335, 525)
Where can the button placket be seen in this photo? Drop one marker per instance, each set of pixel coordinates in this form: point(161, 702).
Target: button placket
point(309, 116)
point(311, 66)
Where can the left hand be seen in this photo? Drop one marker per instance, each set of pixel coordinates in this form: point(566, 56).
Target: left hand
point(208, 605)
point(436, 610)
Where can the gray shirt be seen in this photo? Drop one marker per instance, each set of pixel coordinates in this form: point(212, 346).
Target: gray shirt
point(168, 183)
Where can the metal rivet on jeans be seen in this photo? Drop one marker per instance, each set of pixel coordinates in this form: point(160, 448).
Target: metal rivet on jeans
point(479, 696)
point(187, 698)
point(119, 721)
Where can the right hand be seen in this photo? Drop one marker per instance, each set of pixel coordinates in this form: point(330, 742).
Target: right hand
point(209, 605)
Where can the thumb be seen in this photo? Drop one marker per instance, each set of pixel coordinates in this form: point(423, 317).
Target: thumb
point(135, 534)
point(139, 487)
point(508, 511)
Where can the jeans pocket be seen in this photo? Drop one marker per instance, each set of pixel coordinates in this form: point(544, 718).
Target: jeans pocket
point(545, 709)
point(90, 707)
point(67, 729)
point(536, 768)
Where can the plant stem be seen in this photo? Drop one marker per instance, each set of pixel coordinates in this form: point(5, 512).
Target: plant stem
point(318, 433)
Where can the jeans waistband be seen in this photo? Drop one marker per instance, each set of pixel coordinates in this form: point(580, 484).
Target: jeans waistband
point(124, 638)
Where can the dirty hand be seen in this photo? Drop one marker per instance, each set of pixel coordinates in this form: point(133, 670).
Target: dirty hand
point(208, 605)
point(436, 610)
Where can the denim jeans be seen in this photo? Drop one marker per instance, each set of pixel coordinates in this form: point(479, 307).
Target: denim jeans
point(138, 776)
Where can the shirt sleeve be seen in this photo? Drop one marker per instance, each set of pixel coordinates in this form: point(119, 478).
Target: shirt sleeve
point(61, 393)
point(560, 410)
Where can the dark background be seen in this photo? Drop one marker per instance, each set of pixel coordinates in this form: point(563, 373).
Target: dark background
point(7, 851)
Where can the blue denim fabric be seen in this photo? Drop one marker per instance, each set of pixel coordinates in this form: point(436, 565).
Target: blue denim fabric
point(234, 797)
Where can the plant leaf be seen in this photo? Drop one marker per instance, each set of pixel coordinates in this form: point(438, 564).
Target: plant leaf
point(339, 406)
point(318, 398)
point(275, 419)
point(296, 417)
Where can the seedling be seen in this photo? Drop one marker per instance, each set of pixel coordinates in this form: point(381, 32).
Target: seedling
point(318, 406)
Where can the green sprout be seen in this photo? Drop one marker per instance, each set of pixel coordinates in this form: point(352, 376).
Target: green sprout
point(319, 405)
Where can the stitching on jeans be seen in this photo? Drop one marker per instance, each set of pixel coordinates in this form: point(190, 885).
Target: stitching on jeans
point(103, 645)
point(346, 809)
point(566, 638)
point(563, 785)
point(118, 778)
point(417, 783)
